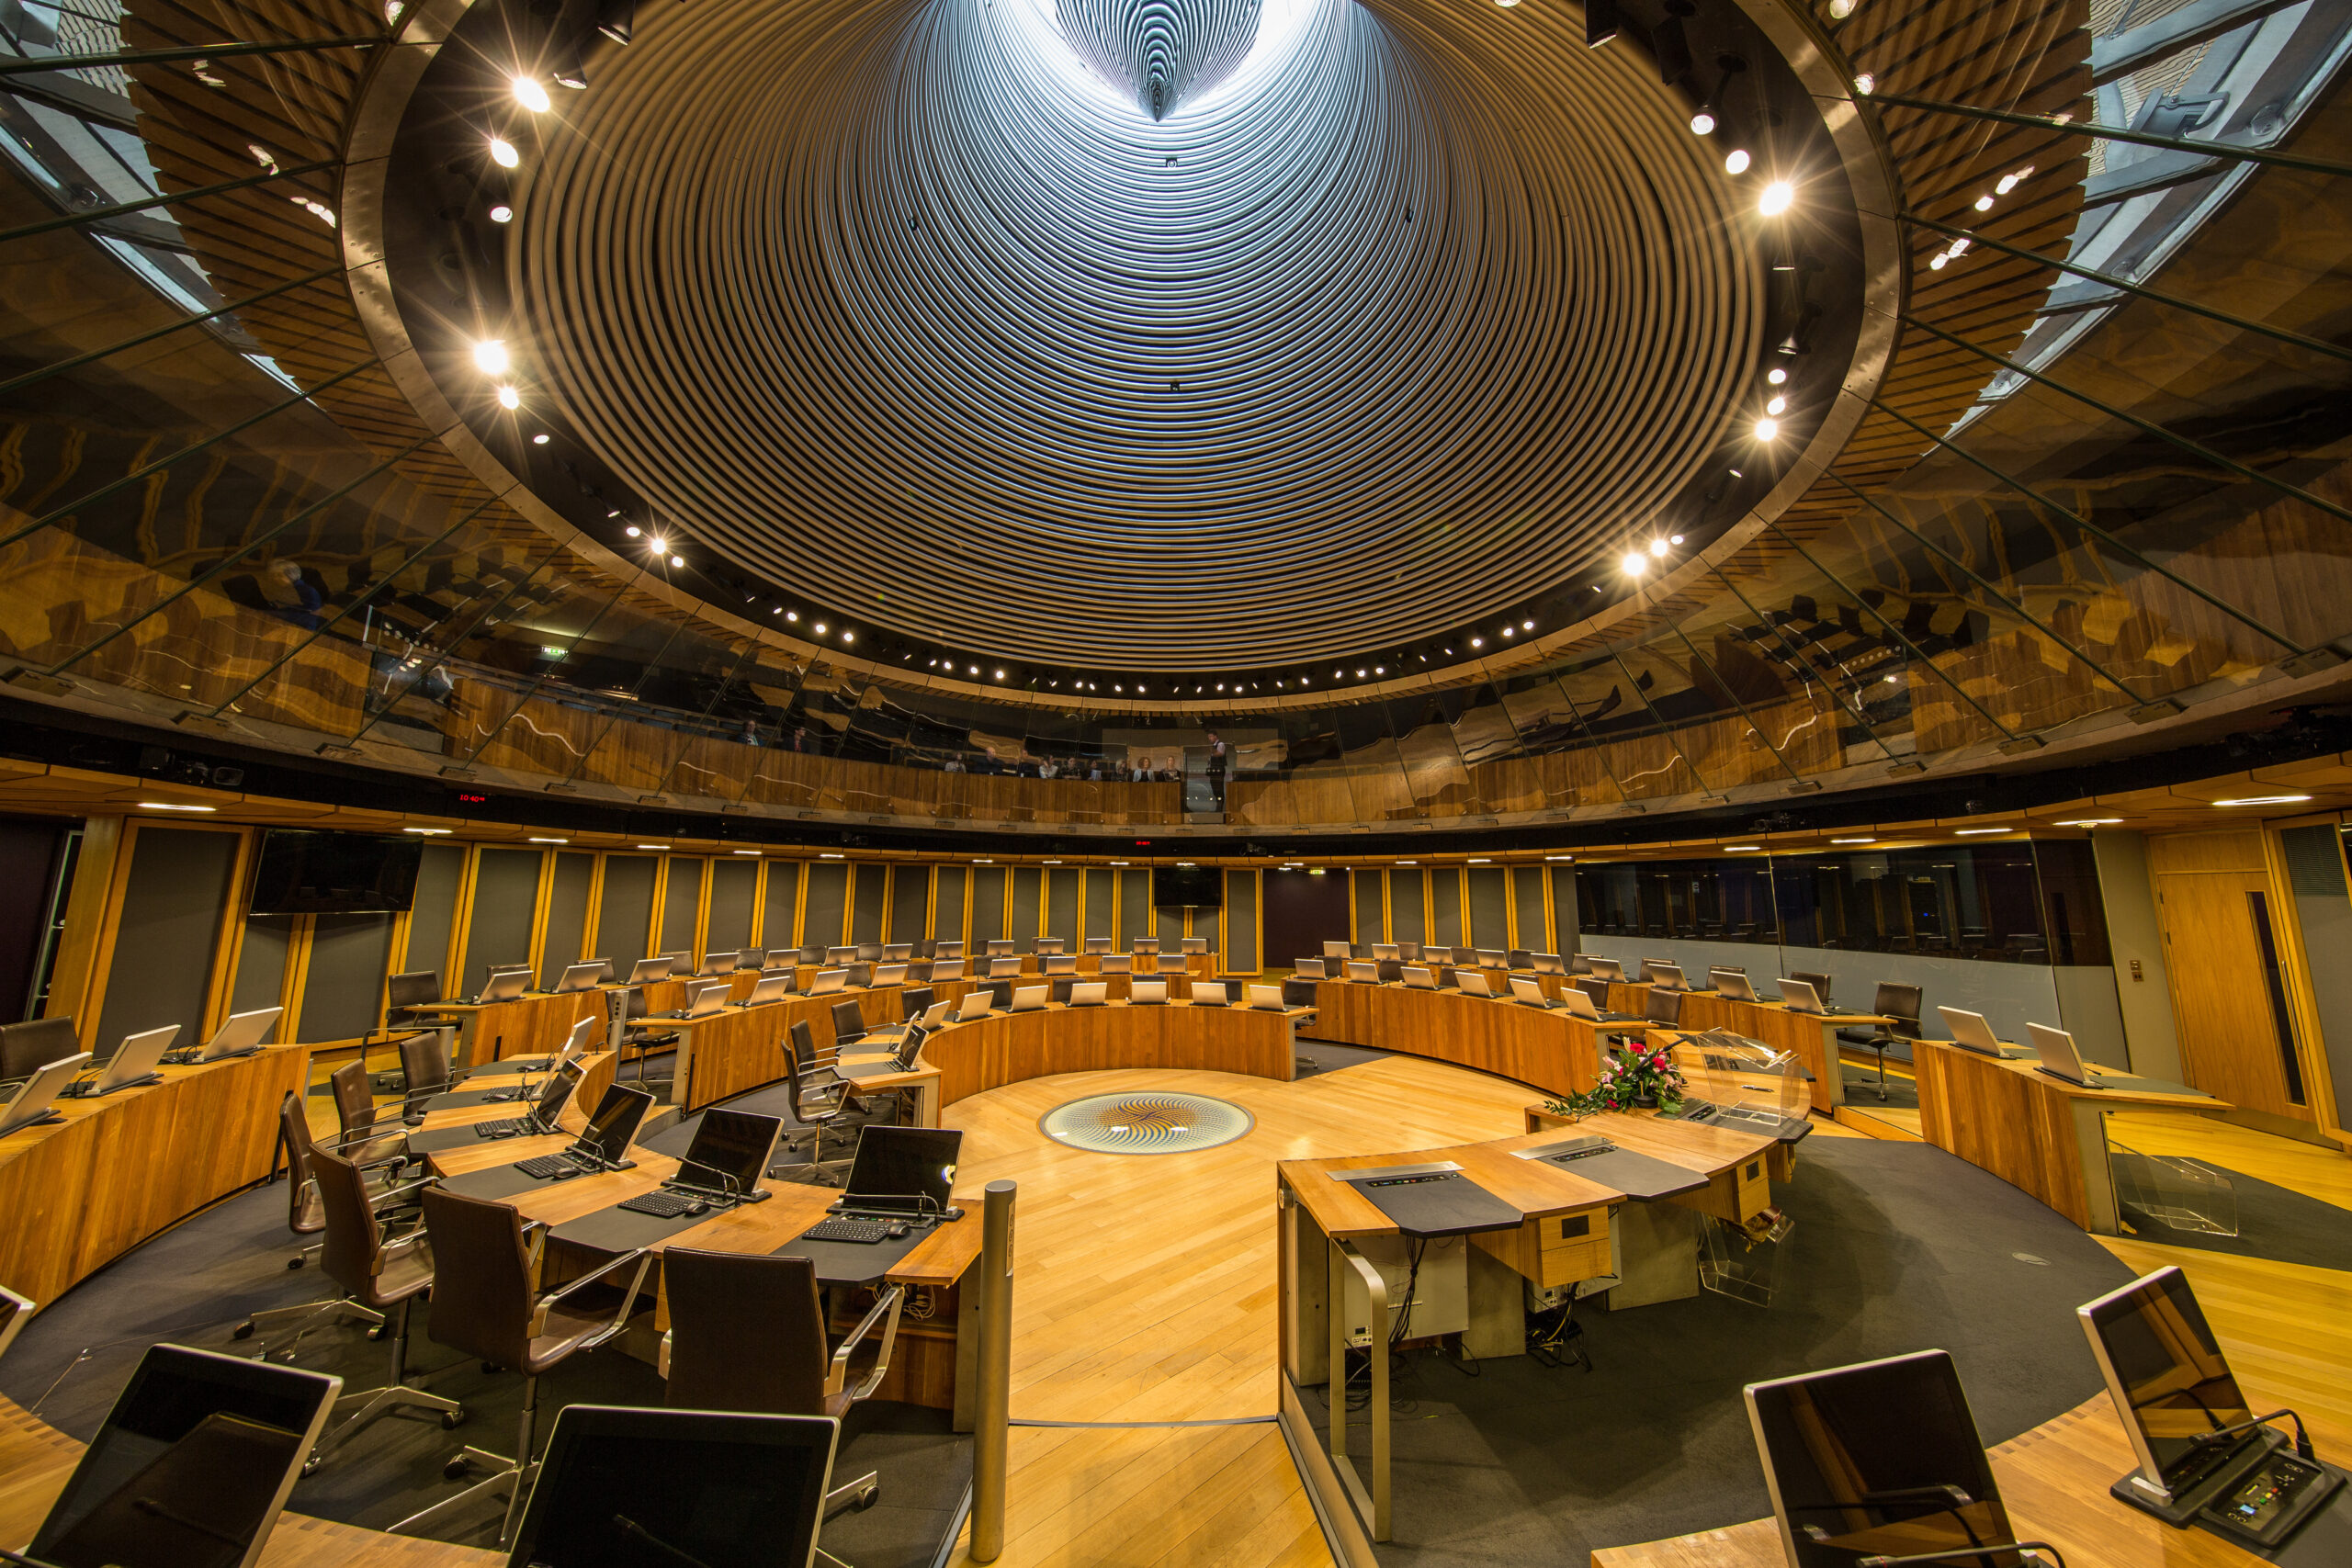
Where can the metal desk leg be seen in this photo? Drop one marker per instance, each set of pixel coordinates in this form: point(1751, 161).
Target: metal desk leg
point(2098, 1176)
point(1373, 1509)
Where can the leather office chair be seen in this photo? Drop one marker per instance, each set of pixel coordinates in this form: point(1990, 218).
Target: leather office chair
point(1892, 1000)
point(1063, 985)
point(306, 1213)
point(860, 975)
point(1409, 952)
point(403, 994)
point(424, 1063)
point(384, 1274)
point(646, 1037)
point(913, 1002)
point(819, 1098)
point(849, 1024)
point(1001, 990)
point(483, 1305)
point(1391, 970)
point(28, 1046)
point(1298, 993)
point(365, 1137)
point(1598, 990)
point(747, 1333)
point(1521, 958)
point(1820, 983)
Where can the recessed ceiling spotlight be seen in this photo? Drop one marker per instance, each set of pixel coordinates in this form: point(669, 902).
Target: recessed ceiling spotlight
point(677, 560)
point(508, 398)
point(999, 674)
point(501, 213)
point(1478, 642)
point(657, 545)
point(1777, 405)
point(1635, 564)
point(530, 94)
point(540, 439)
point(1841, 9)
point(1530, 626)
point(1866, 83)
point(502, 154)
point(1768, 430)
point(1735, 160)
point(971, 668)
point(1984, 203)
point(1702, 123)
point(1778, 197)
point(1658, 547)
point(1775, 376)
point(849, 636)
point(793, 616)
point(634, 531)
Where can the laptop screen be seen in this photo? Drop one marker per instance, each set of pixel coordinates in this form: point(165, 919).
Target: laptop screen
point(905, 1162)
point(614, 1123)
point(548, 1105)
point(242, 1030)
point(730, 1150)
point(2165, 1369)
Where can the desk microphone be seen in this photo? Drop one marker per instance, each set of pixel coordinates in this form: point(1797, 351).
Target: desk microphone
point(2224, 1434)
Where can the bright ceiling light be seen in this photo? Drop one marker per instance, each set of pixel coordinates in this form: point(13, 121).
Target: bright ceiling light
point(502, 154)
point(1775, 376)
point(658, 545)
point(1702, 123)
point(1735, 160)
point(530, 94)
point(1741, 849)
point(1984, 203)
point(2092, 823)
point(1777, 405)
point(1778, 197)
point(1478, 642)
point(1841, 9)
point(491, 356)
point(508, 398)
point(1866, 83)
point(634, 531)
point(2265, 800)
point(501, 213)
point(999, 674)
point(1658, 547)
point(1854, 841)
point(1970, 832)
point(168, 805)
point(550, 841)
point(1634, 563)
point(1768, 430)
point(677, 560)
point(540, 439)
point(428, 832)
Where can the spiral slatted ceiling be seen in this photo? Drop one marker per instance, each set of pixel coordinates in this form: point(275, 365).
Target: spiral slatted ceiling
point(1161, 52)
point(1417, 311)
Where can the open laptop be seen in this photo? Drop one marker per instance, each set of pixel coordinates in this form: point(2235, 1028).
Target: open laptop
point(192, 1466)
point(1667, 976)
point(752, 958)
point(1363, 970)
point(700, 1489)
point(1004, 965)
point(1971, 1031)
point(829, 981)
point(133, 1064)
point(771, 986)
point(1031, 999)
point(721, 1166)
point(897, 951)
point(239, 1035)
point(1147, 993)
point(1546, 963)
point(2059, 1057)
point(1090, 994)
point(976, 1004)
point(898, 1173)
point(1798, 996)
point(1606, 969)
point(1879, 1460)
point(1579, 1004)
point(891, 975)
point(1266, 998)
point(1733, 983)
point(555, 1092)
point(580, 977)
point(1336, 950)
point(29, 1106)
point(701, 1002)
point(1060, 963)
point(603, 1145)
point(1419, 979)
point(718, 964)
point(838, 955)
point(1473, 982)
point(1381, 950)
point(645, 971)
point(504, 985)
point(1523, 989)
point(947, 949)
point(946, 969)
point(937, 1014)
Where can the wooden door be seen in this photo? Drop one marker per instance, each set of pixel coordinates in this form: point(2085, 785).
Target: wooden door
point(2226, 961)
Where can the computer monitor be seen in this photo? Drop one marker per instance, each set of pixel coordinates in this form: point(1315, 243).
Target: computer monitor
point(240, 1034)
point(730, 1151)
point(1798, 996)
point(1363, 970)
point(645, 971)
point(1733, 983)
point(752, 958)
point(192, 1466)
point(1667, 976)
point(676, 1487)
point(1970, 1030)
point(976, 1004)
point(29, 1106)
point(1547, 964)
point(580, 976)
point(2059, 1057)
point(829, 981)
point(1266, 998)
point(947, 949)
point(1881, 1458)
point(1381, 950)
point(718, 964)
point(134, 1060)
point(1471, 983)
point(771, 987)
point(1606, 969)
point(937, 1014)
point(1031, 999)
point(1147, 992)
point(2171, 1383)
point(555, 1092)
point(504, 985)
point(891, 975)
point(1525, 990)
point(1419, 979)
point(916, 1163)
point(614, 1124)
point(897, 951)
point(1004, 967)
point(1143, 944)
point(1090, 994)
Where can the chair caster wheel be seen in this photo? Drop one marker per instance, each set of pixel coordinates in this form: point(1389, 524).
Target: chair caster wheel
point(243, 1331)
point(866, 1498)
point(310, 1465)
point(492, 1367)
point(292, 1264)
point(452, 1419)
point(455, 1469)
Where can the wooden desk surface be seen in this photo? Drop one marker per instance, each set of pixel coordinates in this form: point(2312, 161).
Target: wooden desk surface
point(2053, 1480)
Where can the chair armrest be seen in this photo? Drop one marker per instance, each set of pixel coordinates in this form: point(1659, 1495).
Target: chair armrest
point(661, 1356)
point(888, 1302)
point(641, 1256)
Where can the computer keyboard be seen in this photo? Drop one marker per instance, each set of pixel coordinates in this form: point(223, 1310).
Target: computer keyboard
point(848, 1230)
point(512, 1127)
point(545, 1165)
point(664, 1204)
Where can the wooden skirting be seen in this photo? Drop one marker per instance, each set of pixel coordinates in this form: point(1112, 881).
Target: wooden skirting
point(77, 1194)
point(1006, 1048)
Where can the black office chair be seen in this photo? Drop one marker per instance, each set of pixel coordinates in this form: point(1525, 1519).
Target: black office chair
point(425, 1064)
point(1062, 984)
point(34, 1043)
point(645, 1039)
point(860, 975)
point(1664, 1008)
point(870, 952)
point(1391, 970)
point(1820, 983)
point(819, 1098)
point(1898, 1003)
point(1000, 990)
point(1298, 993)
point(914, 1001)
point(404, 994)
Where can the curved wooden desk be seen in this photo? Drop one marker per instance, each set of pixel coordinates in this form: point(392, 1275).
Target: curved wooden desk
point(1006, 1047)
point(77, 1194)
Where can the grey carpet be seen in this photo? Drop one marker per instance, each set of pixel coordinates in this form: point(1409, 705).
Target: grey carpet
point(2274, 1222)
point(1897, 1247)
point(1317, 1057)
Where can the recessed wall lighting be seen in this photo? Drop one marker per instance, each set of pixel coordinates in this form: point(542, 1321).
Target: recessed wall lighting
point(2092, 823)
point(1741, 849)
point(550, 841)
point(2265, 800)
point(428, 832)
point(169, 806)
point(747, 852)
point(1966, 833)
point(1854, 841)
point(827, 854)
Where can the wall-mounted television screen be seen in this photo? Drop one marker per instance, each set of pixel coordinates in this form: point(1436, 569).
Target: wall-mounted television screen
point(1187, 884)
point(307, 871)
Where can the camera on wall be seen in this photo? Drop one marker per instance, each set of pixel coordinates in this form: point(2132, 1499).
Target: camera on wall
point(161, 762)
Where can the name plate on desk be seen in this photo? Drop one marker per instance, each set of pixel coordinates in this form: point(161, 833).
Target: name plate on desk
point(1433, 1199)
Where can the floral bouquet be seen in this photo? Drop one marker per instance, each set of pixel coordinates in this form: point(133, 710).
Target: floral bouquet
point(1639, 1078)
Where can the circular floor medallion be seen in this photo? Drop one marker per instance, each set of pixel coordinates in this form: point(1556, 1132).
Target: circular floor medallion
point(1146, 1124)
